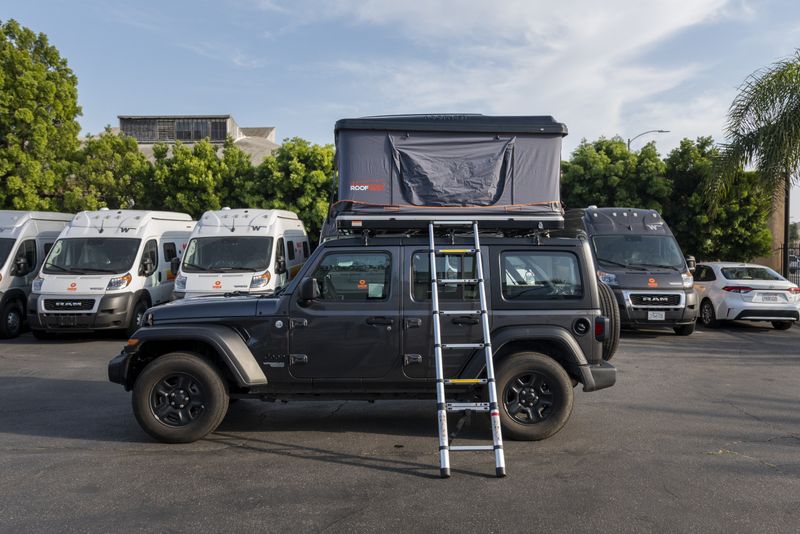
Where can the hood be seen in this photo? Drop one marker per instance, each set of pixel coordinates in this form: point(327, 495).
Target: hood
point(76, 284)
point(207, 308)
point(650, 279)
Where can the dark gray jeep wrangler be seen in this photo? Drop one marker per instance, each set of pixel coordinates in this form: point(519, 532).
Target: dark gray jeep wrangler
point(356, 323)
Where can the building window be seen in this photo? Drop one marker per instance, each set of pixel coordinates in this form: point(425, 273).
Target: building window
point(183, 130)
point(219, 130)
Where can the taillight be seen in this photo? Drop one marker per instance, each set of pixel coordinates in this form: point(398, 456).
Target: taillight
point(600, 328)
point(794, 290)
point(737, 289)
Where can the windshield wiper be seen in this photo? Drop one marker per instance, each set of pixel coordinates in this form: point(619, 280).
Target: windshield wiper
point(625, 265)
point(54, 266)
point(658, 266)
point(194, 266)
point(93, 270)
point(237, 268)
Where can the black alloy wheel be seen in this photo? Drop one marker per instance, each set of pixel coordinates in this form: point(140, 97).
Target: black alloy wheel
point(177, 400)
point(707, 315)
point(528, 399)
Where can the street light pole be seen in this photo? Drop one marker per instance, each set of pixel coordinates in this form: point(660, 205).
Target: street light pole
point(643, 133)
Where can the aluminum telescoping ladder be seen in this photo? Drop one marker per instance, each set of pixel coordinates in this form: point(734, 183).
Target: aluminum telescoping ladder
point(443, 406)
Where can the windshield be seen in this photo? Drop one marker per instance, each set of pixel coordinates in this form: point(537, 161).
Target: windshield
point(78, 255)
point(229, 254)
point(750, 273)
point(642, 251)
point(6, 244)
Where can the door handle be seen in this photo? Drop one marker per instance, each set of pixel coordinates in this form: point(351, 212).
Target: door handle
point(465, 320)
point(413, 323)
point(298, 359)
point(412, 359)
point(159, 276)
point(380, 320)
point(295, 323)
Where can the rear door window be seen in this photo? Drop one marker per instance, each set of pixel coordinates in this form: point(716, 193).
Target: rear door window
point(538, 276)
point(448, 266)
point(170, 251)
point(290, 249)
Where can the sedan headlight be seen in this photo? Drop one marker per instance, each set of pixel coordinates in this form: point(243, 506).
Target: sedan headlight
point(688, 280)
point(180, 283)
point(36, 286)
point(607, 278)
point(120, 282)
point(260, 280)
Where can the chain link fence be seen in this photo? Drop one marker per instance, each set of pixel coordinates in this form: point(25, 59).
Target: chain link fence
point(794, 265)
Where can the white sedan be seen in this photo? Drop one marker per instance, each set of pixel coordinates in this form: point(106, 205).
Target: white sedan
point(745, 291)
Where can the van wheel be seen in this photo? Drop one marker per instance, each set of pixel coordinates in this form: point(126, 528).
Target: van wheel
point(42, 335)
point(610, 309)
point(136, 317)
point(781, 325)
point(179, 398)
point(707, 314)
point(11, 320)
point(535, 396)
point(684, 329)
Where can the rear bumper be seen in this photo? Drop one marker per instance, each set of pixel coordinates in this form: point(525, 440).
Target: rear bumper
point(598, 376)
point(111, 312)
point(767, 315)
point(683, 313)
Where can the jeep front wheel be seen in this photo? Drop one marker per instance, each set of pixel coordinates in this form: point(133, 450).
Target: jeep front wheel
point(535, 395)
point(179, 398)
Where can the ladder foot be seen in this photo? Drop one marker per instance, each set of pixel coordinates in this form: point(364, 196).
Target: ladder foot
point(500, 472)
point(444, 473)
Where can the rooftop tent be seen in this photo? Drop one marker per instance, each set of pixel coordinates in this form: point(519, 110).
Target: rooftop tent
point(410, 166)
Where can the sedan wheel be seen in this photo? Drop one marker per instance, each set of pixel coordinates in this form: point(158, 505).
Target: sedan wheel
point(707, 315)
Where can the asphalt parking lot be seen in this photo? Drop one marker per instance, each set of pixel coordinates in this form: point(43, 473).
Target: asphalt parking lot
point(701, 433)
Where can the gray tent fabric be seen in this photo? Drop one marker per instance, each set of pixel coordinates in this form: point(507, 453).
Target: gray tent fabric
point(452, 171)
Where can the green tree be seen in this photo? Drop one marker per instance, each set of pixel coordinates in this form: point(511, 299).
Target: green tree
point(298, 176)
point(737, 229)
point(763, 130)
point(38, 127)
point(108, 171)
point(606, 173)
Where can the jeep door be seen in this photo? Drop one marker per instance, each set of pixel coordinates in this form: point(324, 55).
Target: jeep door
point(353, 329)
point(418, 356)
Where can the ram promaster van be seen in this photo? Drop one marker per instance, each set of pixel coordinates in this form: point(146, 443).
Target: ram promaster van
point(241, 251)
point(25, 239)
point(106, 268)
point(636, 254)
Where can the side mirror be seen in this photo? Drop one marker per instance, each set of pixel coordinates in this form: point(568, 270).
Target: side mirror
point(691, 263)
point(309, 290)
point(175, 265)
point(280, 266)
point(148, 267)
point(21, 267)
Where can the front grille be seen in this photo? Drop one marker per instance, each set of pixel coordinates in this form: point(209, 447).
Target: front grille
point(654, 299)
point(68, 304)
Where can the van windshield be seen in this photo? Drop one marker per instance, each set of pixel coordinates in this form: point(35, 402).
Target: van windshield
point(638, 251)
point(227, 254)
point(84, 255)
point(6, 244)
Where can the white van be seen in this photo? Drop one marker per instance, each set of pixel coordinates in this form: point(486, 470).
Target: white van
point(242, 250)
point(25, 240)
point(106, 269)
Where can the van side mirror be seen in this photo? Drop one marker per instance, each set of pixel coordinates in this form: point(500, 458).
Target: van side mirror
point(21, 267)
point(148, 267)
point(691, 263)
point(175, 265)
point(280, 266)
point(309, 289)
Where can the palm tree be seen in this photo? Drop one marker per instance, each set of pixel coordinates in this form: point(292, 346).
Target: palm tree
point(763, 131)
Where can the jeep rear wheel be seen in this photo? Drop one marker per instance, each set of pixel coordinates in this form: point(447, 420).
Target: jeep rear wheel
point(535, 396)
point(179, 398)
point(610, 309)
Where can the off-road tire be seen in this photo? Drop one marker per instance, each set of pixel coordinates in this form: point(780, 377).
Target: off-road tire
point(684, 329)
point(610, 309)
point(209, 390)
point(11, 320)
point(555, 383)
point(707, 315)
point(782, 325)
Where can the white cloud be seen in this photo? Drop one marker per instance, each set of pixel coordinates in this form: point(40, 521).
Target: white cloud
point(227, 54)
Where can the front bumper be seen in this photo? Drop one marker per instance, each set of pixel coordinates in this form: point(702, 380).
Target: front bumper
point(108, 312)
point(684, 312)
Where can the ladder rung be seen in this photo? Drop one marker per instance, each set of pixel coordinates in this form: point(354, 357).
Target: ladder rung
point(465, 381)
point(452, 223)
point(461, 406)
point(460, 312)
point(457, 280)
point(463, 345)
point(454, 251)
point(472, 447)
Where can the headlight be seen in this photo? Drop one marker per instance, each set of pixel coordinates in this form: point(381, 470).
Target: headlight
point(260, 280)
point(607, 278)
point(37, 284)
point(120, 282)
point(688, 280)
point(180, 282)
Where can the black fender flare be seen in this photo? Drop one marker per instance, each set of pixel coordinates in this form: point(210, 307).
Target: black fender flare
point(555, 334)
point(230, 346)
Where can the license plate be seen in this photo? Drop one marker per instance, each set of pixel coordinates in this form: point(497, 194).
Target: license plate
point(656, 316)
point(769, 298)
point(66, 321)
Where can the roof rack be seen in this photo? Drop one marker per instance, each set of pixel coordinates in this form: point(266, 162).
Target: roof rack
point(420, 221)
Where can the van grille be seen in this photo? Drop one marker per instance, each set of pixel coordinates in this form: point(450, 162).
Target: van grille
point(653, 299)
point(68, 304)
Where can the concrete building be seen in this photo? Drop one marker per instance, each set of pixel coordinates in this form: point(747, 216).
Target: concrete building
point(257, 142)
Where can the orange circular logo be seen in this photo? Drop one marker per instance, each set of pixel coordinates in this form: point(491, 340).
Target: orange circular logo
point(217, 284)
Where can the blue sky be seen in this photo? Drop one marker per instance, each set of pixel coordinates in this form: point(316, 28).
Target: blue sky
point(604, 68)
